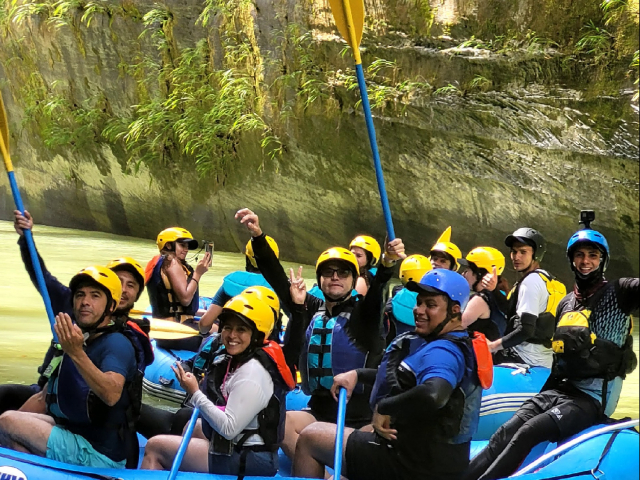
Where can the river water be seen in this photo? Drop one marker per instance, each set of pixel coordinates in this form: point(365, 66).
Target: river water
point(24, 330)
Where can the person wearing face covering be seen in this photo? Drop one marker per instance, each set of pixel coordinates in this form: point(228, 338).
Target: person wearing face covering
point(592, 354)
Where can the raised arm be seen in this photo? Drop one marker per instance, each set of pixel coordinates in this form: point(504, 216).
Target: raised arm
point(107, 385)
point(366, 320)
point(269, 264)
point(60, 294)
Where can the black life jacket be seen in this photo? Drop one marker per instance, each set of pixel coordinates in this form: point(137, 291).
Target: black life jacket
point(270, 419)
point(493, 327)
point(579, 353)
point(546, 322)
point(164, 301)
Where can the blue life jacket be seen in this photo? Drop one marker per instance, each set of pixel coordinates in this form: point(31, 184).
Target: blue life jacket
point(164, 302)
point(206, 353)
point(271, 419)
point(402, 305)
point(400, 368)
point(328, 351)
point(236, 282)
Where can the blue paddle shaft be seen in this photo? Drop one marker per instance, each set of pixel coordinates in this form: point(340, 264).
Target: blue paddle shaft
point(42, 287)
point(391, 235)
point(183, 444)
point(342, 407)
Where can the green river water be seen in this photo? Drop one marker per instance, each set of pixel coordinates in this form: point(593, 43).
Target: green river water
point(24, 330)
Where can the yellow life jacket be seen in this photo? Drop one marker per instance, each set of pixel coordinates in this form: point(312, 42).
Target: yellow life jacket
point(545, 325)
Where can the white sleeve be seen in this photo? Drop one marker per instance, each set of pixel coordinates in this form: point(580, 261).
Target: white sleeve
point(250, 390)
point(533, 296)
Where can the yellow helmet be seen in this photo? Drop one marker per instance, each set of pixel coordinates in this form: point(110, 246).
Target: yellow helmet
point(130, 265)
point(413, 268)
point(248, 251)
point(450, 249)
point(487, 258)
point(368, 244)
point(250, 307)
point(265, 295)
point(174, 234)
point(339, 253)
point(103, 276)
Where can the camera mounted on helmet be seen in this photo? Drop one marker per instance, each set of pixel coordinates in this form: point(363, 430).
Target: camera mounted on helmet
point(588, 237)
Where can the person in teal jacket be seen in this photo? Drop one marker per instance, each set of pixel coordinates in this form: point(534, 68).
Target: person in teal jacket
point(399, 309)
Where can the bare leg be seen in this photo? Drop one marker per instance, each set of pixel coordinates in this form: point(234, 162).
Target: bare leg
point(26, 432)
point(315, 450)
point(295, 423)
point(36, 403)
point(162, 449)
point(197, 430)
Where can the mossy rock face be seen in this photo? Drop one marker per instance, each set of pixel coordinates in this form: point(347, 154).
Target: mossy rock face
point(535, 148)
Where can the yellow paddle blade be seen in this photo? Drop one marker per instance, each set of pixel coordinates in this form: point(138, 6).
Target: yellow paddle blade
point(446, 236)
point(167, 329)
point(4, 124)
point(4, 137)
point(347, 12)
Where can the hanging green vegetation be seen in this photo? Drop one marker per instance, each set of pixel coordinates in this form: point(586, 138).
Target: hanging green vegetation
point(203, 116)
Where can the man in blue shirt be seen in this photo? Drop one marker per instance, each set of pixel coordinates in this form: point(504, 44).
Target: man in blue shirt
point(87, 396)
point(30, 397)
point(426, 398)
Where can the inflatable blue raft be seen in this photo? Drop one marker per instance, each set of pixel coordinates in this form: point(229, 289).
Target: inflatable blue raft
point(602, 452)
point(512, 385)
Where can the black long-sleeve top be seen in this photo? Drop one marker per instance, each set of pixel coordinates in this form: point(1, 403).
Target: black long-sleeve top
point(364, 326)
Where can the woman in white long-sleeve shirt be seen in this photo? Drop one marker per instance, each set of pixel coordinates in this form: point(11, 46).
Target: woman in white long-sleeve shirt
point(241, 399)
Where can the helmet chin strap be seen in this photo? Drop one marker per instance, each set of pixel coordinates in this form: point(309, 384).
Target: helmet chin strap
point(338, 300)
point(438, 330)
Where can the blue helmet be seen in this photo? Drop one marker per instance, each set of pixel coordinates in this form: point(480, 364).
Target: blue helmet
point(443, 282)
point(593, 237)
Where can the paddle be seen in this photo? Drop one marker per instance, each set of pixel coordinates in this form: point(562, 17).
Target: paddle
point(533, 466)
point(183, 445)
point(4, 148)
point(337, 458)
point(349, 17)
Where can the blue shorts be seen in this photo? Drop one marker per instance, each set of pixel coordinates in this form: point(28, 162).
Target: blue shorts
point(68, 447)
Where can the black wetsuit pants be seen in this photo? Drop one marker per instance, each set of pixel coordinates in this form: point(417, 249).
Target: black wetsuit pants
point(13, 396)
point(552, 415)
point(156, 421)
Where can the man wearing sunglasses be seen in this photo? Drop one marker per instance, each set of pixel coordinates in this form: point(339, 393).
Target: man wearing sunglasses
point(341, 333)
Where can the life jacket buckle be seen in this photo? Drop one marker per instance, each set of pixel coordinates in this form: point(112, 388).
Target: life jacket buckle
point(597, 473)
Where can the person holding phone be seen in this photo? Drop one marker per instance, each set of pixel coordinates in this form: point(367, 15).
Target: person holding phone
point(241, 399)
point(173, 285)
point(233, 284)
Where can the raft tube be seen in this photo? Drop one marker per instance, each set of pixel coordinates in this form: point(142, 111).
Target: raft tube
point(159, 380)
point(599, 452)
point(512, 385)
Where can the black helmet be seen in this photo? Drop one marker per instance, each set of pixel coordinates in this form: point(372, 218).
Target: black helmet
point(531, 237)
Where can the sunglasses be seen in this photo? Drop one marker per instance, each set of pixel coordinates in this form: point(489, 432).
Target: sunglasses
point(328, 272)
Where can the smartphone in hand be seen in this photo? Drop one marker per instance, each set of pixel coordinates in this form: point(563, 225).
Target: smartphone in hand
point(208, 248)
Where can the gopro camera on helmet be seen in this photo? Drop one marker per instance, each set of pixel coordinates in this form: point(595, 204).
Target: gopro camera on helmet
point(586, 217)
